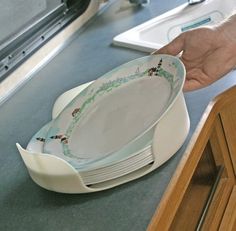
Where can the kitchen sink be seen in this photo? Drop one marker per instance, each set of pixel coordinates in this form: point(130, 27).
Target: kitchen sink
point(160, 30)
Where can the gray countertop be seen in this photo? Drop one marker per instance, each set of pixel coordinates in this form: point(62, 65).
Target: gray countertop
point(26, 206)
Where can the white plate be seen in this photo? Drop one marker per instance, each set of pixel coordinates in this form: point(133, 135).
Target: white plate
point(36, 143)
point(121, 164)
point(118, 161)
point(117, 109)
point(115, 174)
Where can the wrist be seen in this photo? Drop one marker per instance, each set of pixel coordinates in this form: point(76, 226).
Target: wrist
point(227, 31)
point(226, 38)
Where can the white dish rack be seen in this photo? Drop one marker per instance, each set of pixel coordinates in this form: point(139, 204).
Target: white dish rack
point(56, 174)
point(161, 118)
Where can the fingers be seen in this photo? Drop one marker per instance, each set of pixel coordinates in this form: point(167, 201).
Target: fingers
point(195, 79)
point(174, 47)
point(191, 85)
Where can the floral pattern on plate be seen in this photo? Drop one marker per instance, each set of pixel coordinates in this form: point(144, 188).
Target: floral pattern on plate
point(59, 134)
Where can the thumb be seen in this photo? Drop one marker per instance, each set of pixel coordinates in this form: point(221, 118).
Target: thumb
point(174, 47)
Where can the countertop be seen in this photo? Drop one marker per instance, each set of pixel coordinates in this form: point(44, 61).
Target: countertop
point(26, 206)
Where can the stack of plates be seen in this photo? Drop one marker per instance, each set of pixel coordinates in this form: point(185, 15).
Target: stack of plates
point(115, 165)
point(106, 131)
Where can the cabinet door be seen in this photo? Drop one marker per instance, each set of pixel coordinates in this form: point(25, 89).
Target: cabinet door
point(200, 195)
point(229, 219)
point(222, 157)
point(228, 118)
point(210, 186)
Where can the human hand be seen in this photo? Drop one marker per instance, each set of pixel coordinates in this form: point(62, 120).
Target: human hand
point(208, 54)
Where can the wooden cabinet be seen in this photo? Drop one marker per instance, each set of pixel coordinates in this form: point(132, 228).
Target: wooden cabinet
point(202, 192)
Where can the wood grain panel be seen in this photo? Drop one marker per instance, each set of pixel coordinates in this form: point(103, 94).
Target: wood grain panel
point(217, 127)
point(228, 116)
point(229, 219)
